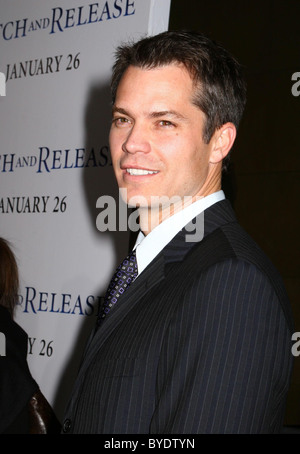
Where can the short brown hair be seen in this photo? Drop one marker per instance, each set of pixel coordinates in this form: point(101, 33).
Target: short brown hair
point(9, 277)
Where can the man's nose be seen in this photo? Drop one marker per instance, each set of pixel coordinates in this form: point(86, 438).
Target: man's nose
point(137, 140)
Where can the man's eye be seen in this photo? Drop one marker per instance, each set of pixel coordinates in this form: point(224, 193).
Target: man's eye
point(165, 123)
point(120, 121)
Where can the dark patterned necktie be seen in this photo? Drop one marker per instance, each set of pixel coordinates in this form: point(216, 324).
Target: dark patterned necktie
point(125, 274)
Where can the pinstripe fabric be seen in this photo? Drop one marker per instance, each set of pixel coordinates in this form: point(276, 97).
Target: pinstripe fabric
point(200, 343)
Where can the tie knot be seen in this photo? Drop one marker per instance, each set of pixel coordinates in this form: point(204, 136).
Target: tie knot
point(129, 265)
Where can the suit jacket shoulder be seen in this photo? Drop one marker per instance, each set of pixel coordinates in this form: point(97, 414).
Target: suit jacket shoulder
point(225, 239)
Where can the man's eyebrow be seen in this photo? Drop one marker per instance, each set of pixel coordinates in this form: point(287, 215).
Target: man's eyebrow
point(119, 110)
point(167, 113)
point(154, 114)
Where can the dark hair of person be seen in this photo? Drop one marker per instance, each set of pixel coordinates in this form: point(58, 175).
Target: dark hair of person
point(220, 88)
point(9, 277)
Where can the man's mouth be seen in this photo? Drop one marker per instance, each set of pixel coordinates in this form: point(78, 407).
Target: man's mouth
point(141, 171)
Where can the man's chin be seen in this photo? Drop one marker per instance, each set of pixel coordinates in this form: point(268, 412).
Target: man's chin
point(134, 200)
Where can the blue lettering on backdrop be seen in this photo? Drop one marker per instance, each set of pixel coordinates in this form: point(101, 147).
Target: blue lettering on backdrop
point(48, 160)
point(34, 301)
point(62, 19)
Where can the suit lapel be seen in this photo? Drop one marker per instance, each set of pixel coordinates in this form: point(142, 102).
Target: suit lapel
point(152, 275)
point(219, 214)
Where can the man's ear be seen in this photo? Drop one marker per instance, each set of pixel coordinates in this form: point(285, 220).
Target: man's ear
point(222, 142)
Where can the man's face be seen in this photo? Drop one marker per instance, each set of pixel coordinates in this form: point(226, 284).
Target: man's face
point(156, 135)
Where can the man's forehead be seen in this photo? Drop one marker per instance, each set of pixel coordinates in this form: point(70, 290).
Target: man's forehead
point(169, 81)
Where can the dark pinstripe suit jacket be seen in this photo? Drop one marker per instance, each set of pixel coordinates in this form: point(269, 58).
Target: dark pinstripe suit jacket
point(200, 343)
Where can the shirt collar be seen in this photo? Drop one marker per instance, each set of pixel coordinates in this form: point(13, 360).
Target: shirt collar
point(147, 247)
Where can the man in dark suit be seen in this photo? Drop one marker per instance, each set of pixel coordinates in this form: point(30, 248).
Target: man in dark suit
point(200, 341)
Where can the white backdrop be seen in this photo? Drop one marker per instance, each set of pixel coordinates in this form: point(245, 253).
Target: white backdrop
point(55, 164)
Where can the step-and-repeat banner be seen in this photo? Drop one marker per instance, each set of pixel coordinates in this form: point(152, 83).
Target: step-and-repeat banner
point(55, 60)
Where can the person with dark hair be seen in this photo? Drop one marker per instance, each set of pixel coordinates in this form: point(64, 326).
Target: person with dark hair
point(23, 408)
point(219, 85)
point(195, 331)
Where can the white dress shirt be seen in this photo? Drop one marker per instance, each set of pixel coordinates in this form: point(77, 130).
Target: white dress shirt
point(147, 247)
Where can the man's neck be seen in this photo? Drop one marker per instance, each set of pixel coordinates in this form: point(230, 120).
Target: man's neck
point(151, 216)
